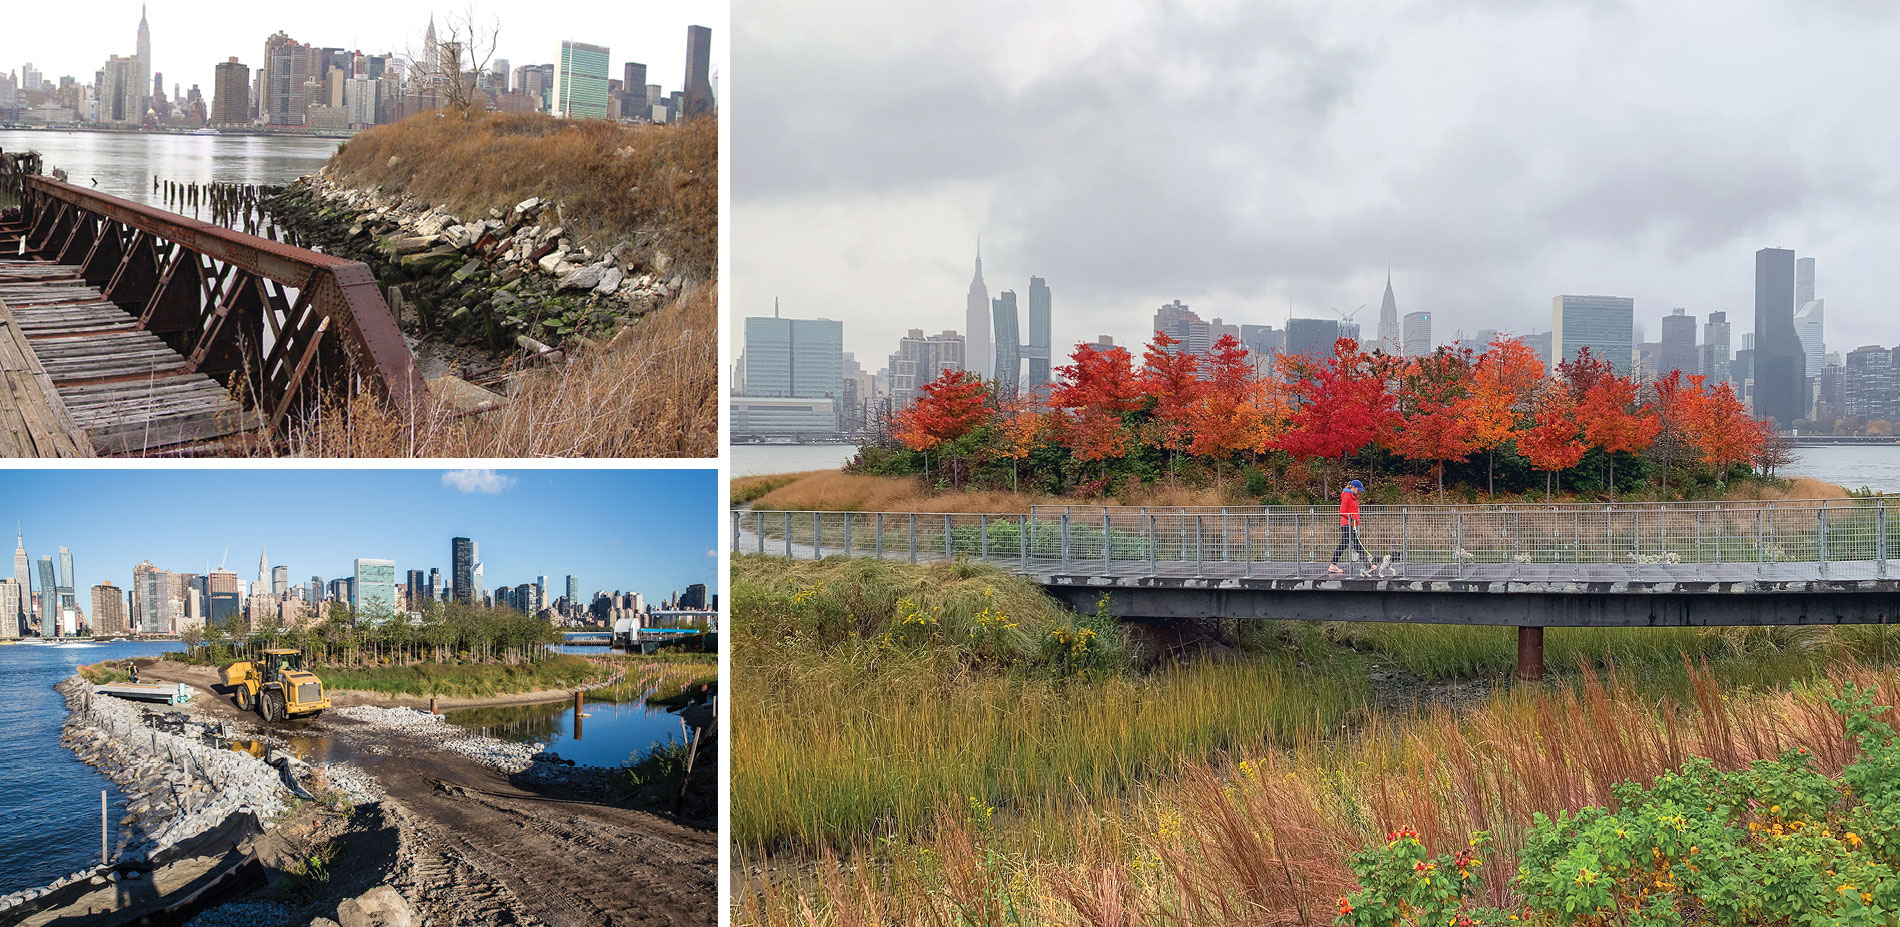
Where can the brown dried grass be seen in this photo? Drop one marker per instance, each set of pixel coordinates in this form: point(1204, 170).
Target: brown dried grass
point(651, 392)
point(611, 180)
point(838, 491)
point(1264, 838)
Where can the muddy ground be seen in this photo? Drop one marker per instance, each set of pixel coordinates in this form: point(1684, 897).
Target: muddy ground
point(467, 844)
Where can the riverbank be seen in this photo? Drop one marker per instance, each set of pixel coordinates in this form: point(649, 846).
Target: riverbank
point(381, 807)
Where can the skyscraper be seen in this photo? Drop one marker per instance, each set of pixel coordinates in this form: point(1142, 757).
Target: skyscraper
point(1417, 334)
point(145, 66)
point(108, 610)
point(794, 358)
point(1810, 326)
point(1312, 338)
point(1604, 324)
point(280, 581)
point(1008, 364)
point(1036, 349)
point(1803, 281)
point(1780, 369)
point(65, 578)
point(281, 100)
point(49, 598)
point(10, 596)
point(580, 83)
point(462, 569)
point(231, 94)
point(22, 574)
point(1715, 349)
point(574, 592)
point(375, 587)
point(698, 99)
point(976, 322)
point(1677, 349)
point(1391, 336)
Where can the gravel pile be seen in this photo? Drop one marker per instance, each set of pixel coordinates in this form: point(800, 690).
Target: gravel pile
point(499, 754)
point(361, 787)
point(245, 914)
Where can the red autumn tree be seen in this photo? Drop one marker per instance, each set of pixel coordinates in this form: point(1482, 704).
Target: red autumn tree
point(1173, 379)
point(1341, 405)
point(1223, 420)
point(1613, 421)
point(1094, 392)
point(1436, 423)
point(1722, 431)
point(1677, 402)
point(1554, 442)
point(1502, 395)
point(950, 406)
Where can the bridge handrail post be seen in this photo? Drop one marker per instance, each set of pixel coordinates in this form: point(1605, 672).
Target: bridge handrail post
point(1822, 526)
point(1458, 541)
point(983, 528)
point(1266, 533)
point(788, 534)
point(948, 554)
point(1105, 551)
point(1880, 538)
point(878, 529)
point(1761, 536)
point(1405, 535)
point(847, 534)
point(1224, 557)
point(735, 530)
point(1299, 548)
point(1022, 539)
point(1152, 569)
point(1197, 546)
point(1246, 544)
point(913, 537)
point(817, 536)
point(758, 521)
point(1065, 539)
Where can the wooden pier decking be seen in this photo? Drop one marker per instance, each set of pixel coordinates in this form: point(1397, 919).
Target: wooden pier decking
point(82, 379)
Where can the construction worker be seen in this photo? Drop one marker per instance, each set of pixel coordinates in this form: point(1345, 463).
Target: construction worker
point(1349, 526)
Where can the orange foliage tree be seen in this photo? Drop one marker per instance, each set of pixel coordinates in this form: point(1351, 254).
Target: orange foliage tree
point(1503, 388)
point(1436, 421)
point(1554, 442)
point(1226, 418)
point(1173, 379)
point(1723, 432)
point(1094, 393)
point(950, 406)
point(1614, 421)
point(1021, 426)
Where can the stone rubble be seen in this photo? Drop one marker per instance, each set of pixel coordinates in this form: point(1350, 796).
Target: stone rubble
point(502, 755)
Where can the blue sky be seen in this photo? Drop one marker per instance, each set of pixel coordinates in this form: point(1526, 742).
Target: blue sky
point(647, 531)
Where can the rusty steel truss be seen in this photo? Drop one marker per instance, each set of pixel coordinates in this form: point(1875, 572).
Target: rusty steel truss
point(294, 324)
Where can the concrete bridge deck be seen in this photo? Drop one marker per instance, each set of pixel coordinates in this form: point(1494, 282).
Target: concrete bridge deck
point(83, 379)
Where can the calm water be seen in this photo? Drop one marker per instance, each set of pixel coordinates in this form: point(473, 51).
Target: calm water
point(49, 801)
point(1875, 467)
point(123, 163)
point(761, 459)
point(610, 734)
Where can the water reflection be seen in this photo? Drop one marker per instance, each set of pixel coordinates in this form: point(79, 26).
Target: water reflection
point(123, 163)
point(614, 732)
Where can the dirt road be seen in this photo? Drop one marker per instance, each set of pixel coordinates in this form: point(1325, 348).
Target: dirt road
point(474, 848)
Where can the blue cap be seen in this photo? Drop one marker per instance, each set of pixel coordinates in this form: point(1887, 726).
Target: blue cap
point(1356, 486)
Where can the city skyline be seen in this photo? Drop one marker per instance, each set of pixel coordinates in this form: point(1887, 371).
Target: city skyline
point(1288, 154)
point(640, 534)
point(189, 40)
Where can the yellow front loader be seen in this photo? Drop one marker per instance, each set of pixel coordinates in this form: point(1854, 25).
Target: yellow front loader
point(277, 686)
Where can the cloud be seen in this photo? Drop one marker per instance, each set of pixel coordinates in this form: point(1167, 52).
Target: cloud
point(712, 551)
point(483, 481)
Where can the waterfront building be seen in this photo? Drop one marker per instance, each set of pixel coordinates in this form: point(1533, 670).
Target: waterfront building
point(793, 358)
point(1715, 359)
point(1417, 334)
point(694, 598)
point(1036, 348)
point(580, 84)
point(462, 569)
point(22, 575)
point(1677, 350)
point(121, 93)
point(108, 611)
point(1007, 337)
point(284, 74)
point(523, 597)
point(1871, 383)
point(697, 97)
point(49, 597)
point(374, 587)
point(1810, 328)
point(919, 360)
point(1779, 366)
point(11, 594)
point(231, 94)
point(66, 590)
point(1604, 324)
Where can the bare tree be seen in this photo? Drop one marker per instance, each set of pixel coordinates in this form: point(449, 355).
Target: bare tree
point(454, 55)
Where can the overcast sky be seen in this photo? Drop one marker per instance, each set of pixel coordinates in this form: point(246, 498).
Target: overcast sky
point(190, 37)
point(1242, 156)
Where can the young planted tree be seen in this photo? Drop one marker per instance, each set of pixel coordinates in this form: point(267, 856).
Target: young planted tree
point(1340, 406)
point(1503, 391)
point(1614, 421)
point(1554, 442)
point(951, 406)
point(1225, 420)
point(1173, 379)
point(1674, 401)
point(1720, 428)
point(1436, 416)
point(1020, 428)
point(1094, 394)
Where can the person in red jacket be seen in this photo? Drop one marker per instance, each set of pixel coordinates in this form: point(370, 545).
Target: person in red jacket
point(1349, 526)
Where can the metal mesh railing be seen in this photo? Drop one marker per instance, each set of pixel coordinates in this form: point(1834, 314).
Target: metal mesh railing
point(1803, 539)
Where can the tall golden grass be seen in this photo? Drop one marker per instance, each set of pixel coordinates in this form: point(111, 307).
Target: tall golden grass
point(1263, 836)
point(611, 180)
point(653, 391)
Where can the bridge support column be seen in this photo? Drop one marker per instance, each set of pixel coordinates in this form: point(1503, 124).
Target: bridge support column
point(1530, 654)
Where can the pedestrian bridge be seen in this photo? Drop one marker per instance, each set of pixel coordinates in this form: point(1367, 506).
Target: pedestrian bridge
point(1523, 565)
